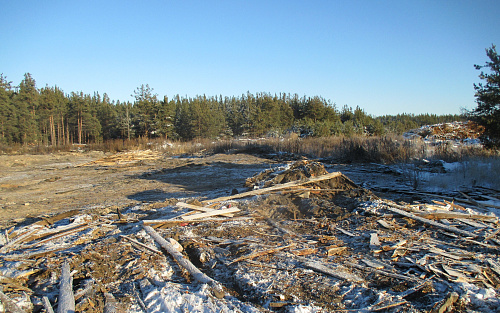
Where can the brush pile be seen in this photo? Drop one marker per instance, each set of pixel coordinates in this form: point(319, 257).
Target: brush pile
point(462, 132)
point(300, 240)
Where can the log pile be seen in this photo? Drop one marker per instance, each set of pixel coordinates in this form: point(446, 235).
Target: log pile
point(320, 243)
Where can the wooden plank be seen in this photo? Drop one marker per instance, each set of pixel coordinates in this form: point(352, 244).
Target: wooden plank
point(445, 215)
point(199, 208)
point(210, 213)
point(66, 303)
point(276, 187)
point(400, 210)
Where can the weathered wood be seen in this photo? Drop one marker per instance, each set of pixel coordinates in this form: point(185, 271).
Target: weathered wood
point(336, 272)
point(193, 270)
point(450, 300)
point(392, 305)
point(47, 305)
point(374, 242)
point(53, 219)
point(66, 303)
point(209, 214)
point(140, 244)
point(110, 305)
point(59, 235)
point(199, 208)
point(13, 244)
point(445, 215)
point(276, 187)
point(345, 232)
point(261, 253)
point(381, 272)
point(57, 231)
point(400, 210)
point(9, 305)
point(493, 234)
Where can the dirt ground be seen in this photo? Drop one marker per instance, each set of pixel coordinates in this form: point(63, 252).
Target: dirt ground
point(329, 246)
point(34, 185)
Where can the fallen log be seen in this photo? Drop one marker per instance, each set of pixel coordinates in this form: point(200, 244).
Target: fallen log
point(276, 187)
point(400, 210)
point(193, 270)
point(66, 297)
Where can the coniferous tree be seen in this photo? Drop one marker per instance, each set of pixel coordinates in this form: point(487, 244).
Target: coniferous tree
point(8, 116)
point(26, 102)
point(487, 112)
point(147, 105)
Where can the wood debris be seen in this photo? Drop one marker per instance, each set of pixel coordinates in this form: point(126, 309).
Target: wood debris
point(340, 248)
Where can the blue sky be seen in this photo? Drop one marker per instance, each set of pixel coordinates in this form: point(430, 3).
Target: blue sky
point(386, 57)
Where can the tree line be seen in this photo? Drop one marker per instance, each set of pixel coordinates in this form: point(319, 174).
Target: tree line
point(31, 115)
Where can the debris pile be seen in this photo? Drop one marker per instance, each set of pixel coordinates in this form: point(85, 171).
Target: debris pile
point(464, 132)
point(305, 240)
point(125, 158)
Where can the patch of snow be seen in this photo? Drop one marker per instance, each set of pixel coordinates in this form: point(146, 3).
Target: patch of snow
point(484, 299)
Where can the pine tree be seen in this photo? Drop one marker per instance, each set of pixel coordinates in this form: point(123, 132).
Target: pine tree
point(8, 117)
point(26, 102)
point(487, 112)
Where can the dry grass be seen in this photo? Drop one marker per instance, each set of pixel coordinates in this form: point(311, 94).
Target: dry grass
point(474, 171)
point(387, 150)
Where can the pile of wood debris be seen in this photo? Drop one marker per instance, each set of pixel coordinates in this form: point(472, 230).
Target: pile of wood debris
point(456, 131)
point(303, 240)
point(127, 158)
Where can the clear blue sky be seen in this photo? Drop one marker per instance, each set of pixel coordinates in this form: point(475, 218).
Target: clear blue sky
point(387, 57)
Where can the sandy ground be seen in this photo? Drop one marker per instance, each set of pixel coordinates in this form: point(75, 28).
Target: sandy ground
point(34, 185)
